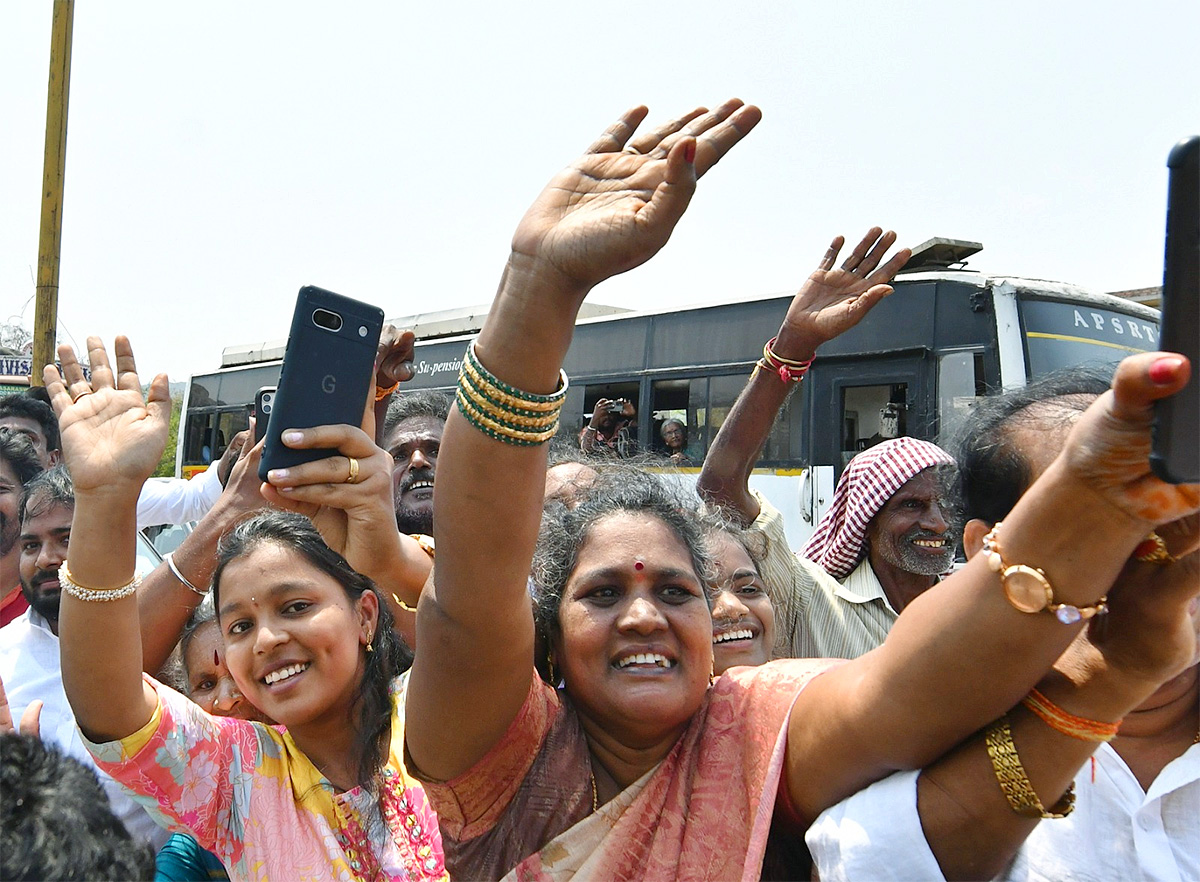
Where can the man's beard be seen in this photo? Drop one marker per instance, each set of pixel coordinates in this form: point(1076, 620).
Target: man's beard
point(907, 557)
point(413, 520)
point(44, 604)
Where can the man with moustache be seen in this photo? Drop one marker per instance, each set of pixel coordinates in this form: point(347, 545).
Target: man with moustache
point(19, 463)
point(29, 657)
point(413, 435)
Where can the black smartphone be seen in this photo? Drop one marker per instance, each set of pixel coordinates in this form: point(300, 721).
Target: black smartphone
point(1175, 455)
point(264, 403)
point(327, 369)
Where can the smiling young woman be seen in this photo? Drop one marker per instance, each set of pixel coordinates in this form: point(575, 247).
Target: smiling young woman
point(306, 639)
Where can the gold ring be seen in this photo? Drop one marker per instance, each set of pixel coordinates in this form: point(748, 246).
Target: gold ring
point(1153, 549)
point(353, 476)
point(75, 398)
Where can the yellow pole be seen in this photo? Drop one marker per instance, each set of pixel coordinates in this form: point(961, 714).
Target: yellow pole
point(45, 316)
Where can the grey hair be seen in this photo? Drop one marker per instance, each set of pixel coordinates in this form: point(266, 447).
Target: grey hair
point(565, 531)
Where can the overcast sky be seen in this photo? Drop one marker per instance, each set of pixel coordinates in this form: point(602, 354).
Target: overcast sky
point(220, 155)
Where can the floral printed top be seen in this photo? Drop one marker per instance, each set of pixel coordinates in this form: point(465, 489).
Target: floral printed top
point(248, 794)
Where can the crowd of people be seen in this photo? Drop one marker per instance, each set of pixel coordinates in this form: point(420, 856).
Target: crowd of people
point(473, 645)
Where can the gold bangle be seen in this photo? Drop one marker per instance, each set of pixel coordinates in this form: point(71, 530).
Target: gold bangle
point(1013, 781)
point(96, 595)
point(1028, 590)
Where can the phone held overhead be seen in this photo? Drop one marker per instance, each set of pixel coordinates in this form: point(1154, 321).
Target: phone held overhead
point(1175, 456)
point(327, 371)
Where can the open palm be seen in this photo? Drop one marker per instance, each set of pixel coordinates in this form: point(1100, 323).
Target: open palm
point(111, 435)
point(617, 205)
point(834, 299)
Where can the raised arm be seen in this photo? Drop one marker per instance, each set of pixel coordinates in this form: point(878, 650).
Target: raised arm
point(1149, 639)
point(112, 440)
point(165, 601)
point(830, 302)
point(962, 654)
point(610, 211)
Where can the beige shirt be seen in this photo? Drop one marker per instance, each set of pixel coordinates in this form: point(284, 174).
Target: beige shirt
point(815, 615)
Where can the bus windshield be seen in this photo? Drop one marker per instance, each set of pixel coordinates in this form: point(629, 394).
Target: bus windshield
point(1060, 334)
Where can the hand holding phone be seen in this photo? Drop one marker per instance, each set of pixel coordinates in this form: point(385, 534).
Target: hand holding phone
point(327, 372)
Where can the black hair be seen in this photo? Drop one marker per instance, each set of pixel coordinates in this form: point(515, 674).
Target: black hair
point(565, 530)
point(390, 658)
point(716, 519)
point(422, 403)
point(55, 819)
point(20, 454)
point(993, 473)
point(46, 490)
point(29, 407)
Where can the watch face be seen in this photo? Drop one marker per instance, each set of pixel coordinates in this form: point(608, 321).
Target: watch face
point(1026, 588)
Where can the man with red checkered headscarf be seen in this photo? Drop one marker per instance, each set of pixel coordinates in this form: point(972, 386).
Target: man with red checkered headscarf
point(888, 534)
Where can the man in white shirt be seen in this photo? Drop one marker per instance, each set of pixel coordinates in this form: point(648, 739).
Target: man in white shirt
point(1136, 799)
point(29, 655)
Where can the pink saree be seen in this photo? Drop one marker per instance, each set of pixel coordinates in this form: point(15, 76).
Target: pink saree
point(524, 811)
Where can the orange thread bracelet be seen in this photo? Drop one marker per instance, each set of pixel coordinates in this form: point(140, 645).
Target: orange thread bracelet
point(382, 392)
point(1069, 724)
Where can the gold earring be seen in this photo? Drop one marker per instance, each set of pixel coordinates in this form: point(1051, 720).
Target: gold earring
point(370, 635)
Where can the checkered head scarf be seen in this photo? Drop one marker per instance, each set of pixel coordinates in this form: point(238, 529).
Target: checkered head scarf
point(868, 482)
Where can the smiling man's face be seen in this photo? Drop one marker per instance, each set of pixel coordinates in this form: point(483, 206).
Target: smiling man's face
point(414, 445)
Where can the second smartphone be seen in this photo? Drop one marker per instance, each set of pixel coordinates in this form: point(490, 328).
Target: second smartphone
point(327, 370)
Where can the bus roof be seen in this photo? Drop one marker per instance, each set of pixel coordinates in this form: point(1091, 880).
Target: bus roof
point(468, 320)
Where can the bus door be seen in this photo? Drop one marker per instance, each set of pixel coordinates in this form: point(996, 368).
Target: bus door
point(854, 404)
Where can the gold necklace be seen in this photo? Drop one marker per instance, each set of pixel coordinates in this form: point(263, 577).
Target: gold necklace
point(595, 798)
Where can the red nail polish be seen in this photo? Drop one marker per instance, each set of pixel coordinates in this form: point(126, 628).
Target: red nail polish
point(689, 152)
point(1163, 370)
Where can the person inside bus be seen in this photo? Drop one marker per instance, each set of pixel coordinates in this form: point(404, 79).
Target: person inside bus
point(817, 615)
point(611, 428)
point(675, 443)
point(1135, 803)
point(412, 435)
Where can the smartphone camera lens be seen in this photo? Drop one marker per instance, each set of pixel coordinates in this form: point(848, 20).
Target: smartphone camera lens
point(362, 330)
point(330, 321)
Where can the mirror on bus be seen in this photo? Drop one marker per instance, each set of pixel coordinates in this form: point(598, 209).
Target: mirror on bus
point(871, 414)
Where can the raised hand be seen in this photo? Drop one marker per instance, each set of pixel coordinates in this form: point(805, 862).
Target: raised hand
point(30, 720)
point(112, 438)
point(351, 506)
point(1109, 448)
point(833, 300)
point(616, 205)
point(394, 357)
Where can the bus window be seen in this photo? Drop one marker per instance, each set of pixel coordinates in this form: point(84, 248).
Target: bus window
point(871, 414)
point(199, 439)
point(685, 401)
point(960, 382)
point(613, 391)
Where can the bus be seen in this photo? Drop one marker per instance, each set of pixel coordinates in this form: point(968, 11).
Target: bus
point(914, 366)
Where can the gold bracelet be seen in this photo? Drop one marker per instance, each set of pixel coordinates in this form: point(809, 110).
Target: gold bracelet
point(1028, 589)
point(1010, 774)
point(96, 595)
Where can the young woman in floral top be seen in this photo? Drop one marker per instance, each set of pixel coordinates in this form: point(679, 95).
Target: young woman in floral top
point(307, 640)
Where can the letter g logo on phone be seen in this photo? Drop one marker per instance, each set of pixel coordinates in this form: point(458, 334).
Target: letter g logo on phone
point(329, 384)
